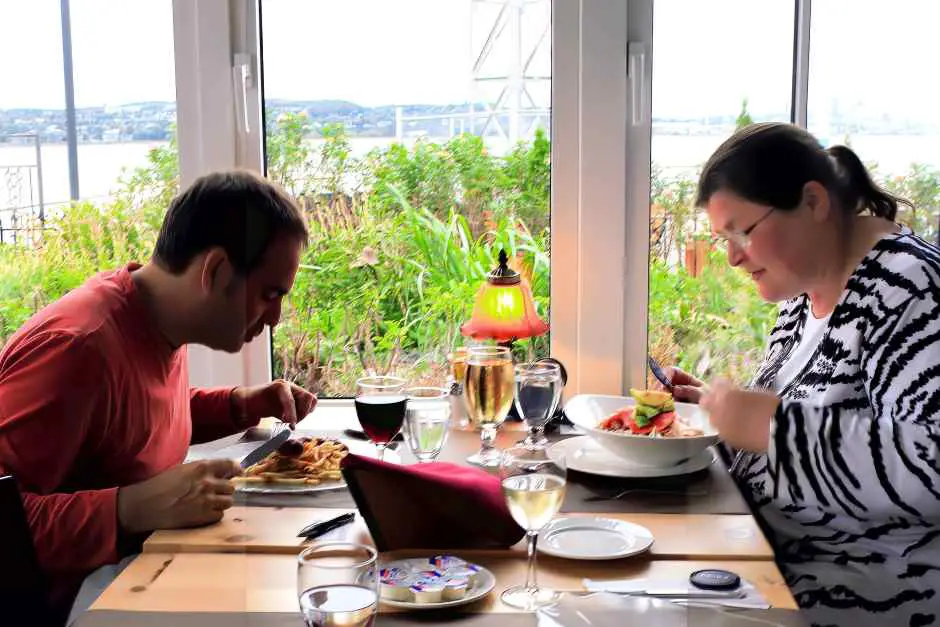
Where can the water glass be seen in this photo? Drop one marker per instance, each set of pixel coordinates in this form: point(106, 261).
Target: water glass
point(337, 584)
point(534, 487)
point(427, 421)
point(538, 392)
point(380, 406)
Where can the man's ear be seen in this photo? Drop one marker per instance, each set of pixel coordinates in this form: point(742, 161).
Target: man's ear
point(216, 272)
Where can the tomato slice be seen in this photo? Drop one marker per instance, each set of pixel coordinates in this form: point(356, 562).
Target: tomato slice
point(663, 421)
point(638, 430)
point(618, 421)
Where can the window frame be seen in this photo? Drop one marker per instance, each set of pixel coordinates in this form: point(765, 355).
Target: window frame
point(597, 175)
point(206, 37)
point(601, 129)
point(799, 104)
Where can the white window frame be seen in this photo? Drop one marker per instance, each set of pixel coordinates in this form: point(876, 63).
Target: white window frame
point(207, 34)
point(600, 232)
point(638, 146)
point(799, 103)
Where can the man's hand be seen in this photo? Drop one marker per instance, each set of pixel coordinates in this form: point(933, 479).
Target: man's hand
point(188, 495)
point(741, 417)
point(279, 399)
point(685, 387)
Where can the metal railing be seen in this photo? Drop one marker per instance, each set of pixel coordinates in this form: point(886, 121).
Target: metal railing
point(478, 121)
point(22, 206)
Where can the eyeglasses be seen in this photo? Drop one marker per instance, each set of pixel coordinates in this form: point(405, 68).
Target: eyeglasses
point(742, 239)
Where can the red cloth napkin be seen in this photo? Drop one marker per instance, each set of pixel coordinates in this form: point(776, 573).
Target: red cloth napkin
point(430, 506)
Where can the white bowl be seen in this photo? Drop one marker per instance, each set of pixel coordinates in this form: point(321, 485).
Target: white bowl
point(588, 410)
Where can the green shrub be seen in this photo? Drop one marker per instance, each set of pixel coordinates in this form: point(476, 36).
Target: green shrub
point(401, 239)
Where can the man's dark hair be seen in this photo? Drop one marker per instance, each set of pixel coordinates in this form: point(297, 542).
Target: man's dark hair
point(237, 211)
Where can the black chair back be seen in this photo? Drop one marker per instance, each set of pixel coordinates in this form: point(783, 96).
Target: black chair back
point(23, 588)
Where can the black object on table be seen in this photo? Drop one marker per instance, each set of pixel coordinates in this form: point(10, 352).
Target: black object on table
point(715, 579)
point(321, 527)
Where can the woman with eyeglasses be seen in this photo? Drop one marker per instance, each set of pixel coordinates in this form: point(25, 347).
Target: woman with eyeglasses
point(835, 443)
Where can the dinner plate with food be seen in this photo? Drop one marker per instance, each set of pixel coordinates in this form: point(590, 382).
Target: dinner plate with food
point(303, 465)
point(433, 583)
point(647, 428)
point(583, 454)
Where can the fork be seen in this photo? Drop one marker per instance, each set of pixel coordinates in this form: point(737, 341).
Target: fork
point(623, 493)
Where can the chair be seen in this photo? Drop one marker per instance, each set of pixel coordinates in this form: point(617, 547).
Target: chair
point(23, 588)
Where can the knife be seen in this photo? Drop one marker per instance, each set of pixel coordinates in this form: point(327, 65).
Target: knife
point(678, 593)
point(265, 449)
point(317, 529)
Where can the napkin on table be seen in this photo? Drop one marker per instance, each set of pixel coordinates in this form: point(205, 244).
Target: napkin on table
point(436, 505)
point(752, 598)
point(614, 610)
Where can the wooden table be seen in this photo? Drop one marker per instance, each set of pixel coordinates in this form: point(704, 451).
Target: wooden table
point(219, 582)
point(246, 563)
point(274, 531)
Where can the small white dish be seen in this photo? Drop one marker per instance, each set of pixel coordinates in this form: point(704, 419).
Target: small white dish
point(593, 538)
point(483, 584)
point(585, 454)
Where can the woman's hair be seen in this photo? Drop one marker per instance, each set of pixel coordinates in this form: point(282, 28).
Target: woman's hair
point(770, 163)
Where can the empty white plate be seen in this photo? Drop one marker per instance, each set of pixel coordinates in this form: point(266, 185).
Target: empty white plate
point(593, 538)
point(584, 454)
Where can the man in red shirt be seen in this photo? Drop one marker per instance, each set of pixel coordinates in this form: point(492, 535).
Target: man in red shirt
point(96, 412)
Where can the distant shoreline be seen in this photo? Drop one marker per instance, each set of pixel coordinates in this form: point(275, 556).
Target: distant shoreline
point(8, 144)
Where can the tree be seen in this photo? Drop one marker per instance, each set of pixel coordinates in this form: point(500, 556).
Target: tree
point(744, 118)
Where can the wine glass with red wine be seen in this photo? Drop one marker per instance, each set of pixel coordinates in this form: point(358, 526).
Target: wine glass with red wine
point(380, 407)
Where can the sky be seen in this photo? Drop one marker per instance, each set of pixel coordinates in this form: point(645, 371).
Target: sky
point(115, 60)
point(707, 55)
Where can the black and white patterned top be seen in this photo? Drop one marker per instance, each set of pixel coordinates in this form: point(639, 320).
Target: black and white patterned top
point(849, 490)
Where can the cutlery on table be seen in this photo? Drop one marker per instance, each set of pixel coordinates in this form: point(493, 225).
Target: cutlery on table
point(623, 493)
point(677, 593)
point(319, 528)
point(266, 449)
point(657, 371)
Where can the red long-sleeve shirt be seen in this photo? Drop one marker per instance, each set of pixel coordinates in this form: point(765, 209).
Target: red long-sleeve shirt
point(93, 398)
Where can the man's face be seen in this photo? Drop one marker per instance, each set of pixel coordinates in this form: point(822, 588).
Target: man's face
point(245, 305)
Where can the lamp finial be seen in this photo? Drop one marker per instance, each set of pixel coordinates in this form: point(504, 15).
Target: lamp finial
point(503, 274)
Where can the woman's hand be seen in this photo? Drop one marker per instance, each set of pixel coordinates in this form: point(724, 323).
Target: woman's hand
point(741, 417)
point(685, 387)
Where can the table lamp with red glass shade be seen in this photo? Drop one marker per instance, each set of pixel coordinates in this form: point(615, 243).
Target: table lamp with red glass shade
point(505, 312)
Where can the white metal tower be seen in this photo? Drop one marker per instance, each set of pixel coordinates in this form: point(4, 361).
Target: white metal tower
point(511, 75)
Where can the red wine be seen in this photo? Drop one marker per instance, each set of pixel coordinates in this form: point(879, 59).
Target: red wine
point(381, 417)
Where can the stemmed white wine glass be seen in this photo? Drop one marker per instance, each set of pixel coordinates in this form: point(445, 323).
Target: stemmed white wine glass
point(534, 488)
